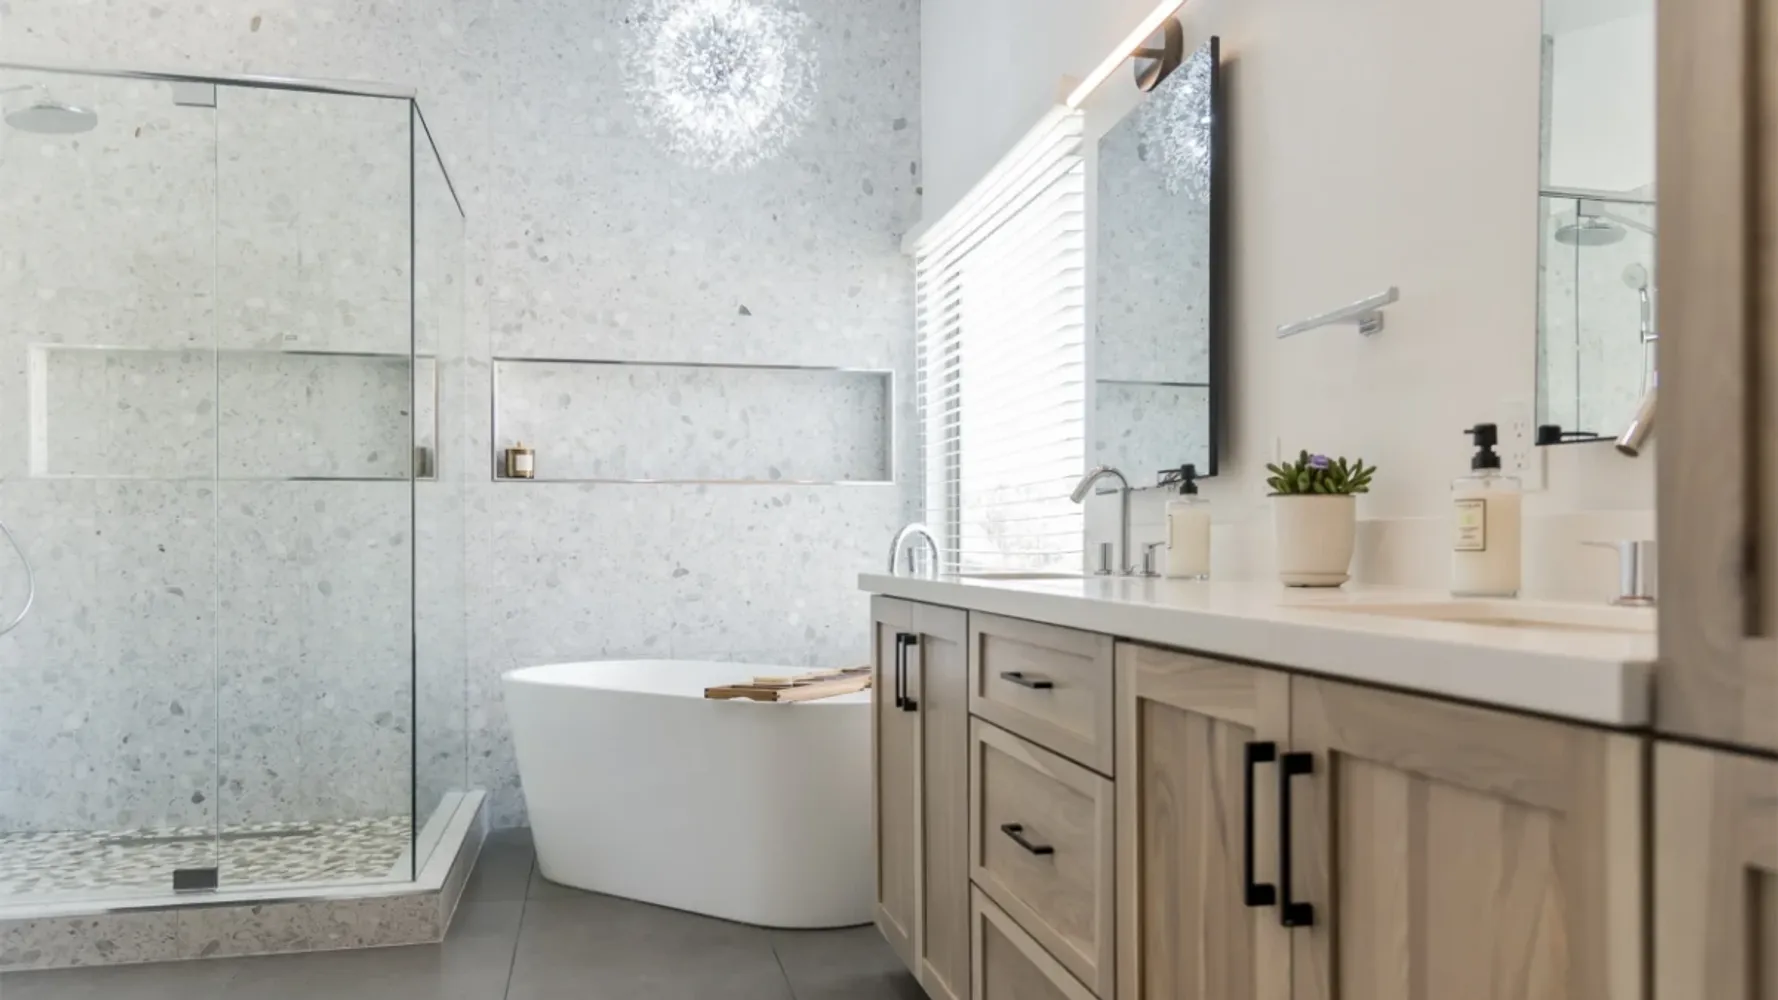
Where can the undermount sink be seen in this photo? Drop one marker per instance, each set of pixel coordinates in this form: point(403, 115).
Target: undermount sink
point(1515, 614)
point(1019, 575)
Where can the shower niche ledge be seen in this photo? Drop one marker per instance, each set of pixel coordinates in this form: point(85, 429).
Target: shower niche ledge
point(695, 422)
point(200, 414)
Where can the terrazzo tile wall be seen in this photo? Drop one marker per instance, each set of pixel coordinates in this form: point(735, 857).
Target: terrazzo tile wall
point(699, 423)
point(588, 239)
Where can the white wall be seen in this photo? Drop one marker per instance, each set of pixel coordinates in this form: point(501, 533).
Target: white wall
point(1372, 143)
point(989, 69)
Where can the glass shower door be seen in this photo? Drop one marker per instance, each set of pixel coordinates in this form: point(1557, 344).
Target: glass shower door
point(108, 702)
point(316, 379)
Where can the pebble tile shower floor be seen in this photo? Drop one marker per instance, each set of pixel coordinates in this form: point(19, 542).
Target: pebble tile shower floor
point(518, 936)
point(355, 850)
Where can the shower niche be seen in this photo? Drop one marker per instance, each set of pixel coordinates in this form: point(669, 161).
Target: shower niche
point(1597, 283)
point(231, 329)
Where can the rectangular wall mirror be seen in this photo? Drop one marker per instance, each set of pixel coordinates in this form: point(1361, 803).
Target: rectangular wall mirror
point(1158, 262)
point(1596, 212)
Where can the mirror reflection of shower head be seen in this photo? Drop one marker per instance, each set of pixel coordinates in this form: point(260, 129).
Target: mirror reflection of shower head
point(1590, 231)
point(48, 116)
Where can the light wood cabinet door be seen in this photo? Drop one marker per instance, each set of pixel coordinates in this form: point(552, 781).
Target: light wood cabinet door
point(1196, 826)
point(895, 781)
point(1456, 853)
point(1717, 78)
point(939, 661)
point(1040, 845)
point(1048, 684)
point(1716, 875)
point(1009, 964)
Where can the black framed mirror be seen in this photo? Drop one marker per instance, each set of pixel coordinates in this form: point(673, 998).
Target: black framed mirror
point(1159, 304)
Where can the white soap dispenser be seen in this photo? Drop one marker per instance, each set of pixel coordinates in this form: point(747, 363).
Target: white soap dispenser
point(1188, 528)
point(1485, 528)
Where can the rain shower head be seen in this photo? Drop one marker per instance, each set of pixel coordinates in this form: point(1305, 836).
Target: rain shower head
point(49, 117)
point(1590, 231)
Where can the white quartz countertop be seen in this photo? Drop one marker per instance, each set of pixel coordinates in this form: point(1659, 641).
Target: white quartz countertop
point(1594, 676)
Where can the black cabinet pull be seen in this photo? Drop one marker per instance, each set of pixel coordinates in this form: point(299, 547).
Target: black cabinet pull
point(901, 667)
point(1034, 683)
point(1017, 832)
point(908, 640)
point(1258, 893)
point(1294, 913)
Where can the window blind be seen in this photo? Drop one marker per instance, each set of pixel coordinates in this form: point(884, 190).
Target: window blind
point(1000, 355)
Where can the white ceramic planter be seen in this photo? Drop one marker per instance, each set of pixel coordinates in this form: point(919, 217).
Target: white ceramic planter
point(1314, 535)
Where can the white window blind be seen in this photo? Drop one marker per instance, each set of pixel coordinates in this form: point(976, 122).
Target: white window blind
point(1000, 342)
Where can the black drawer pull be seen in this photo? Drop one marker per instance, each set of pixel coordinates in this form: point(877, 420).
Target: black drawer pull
point(1017, 832)
point(1034, 683)
point(1294, 913)
point(1257, 893)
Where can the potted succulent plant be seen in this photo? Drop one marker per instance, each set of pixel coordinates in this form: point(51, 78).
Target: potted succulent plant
point(1315, 518)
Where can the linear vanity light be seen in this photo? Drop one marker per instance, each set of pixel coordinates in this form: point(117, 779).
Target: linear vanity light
point(1367, 313)
point(1148, 26)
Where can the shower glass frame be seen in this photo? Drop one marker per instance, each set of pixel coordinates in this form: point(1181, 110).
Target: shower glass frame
point(435, 691)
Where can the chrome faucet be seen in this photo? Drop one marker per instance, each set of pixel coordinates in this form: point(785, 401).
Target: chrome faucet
point(1080, 495)
point(922, 532)
point(1635, 572)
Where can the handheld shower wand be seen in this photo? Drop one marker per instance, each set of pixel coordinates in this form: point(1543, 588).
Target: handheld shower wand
point(1630, 442)
point(1636, 276)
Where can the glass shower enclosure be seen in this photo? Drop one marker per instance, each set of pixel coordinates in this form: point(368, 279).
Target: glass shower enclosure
point(232, 372)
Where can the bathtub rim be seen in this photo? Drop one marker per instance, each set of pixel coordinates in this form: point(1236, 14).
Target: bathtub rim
point(732, 672)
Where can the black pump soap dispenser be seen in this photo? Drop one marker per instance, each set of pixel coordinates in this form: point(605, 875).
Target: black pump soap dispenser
point(1188, 527)
point(1486, 526)
point(1485, 436)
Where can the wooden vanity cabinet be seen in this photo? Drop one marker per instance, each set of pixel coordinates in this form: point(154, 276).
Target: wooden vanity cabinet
point(1451, 851)
point(1715, 874)
point(1434, 849)
point(895, 780)
point(1715, 446)
point(1197, 749)
point(920, 729)
point(1272, 835)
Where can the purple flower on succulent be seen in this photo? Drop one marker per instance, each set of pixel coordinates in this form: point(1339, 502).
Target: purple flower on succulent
point(1318, 462)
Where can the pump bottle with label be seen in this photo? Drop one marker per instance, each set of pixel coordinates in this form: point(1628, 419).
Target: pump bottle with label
point(1485, 525)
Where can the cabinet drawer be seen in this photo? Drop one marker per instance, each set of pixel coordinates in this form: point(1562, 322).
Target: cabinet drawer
point(1009, 964)
point(1040, 846)
point(1050, 685)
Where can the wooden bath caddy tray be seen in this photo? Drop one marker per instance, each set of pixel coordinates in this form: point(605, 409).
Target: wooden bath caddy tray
point(805, 687)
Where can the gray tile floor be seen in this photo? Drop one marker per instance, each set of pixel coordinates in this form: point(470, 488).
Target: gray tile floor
point(519, 937)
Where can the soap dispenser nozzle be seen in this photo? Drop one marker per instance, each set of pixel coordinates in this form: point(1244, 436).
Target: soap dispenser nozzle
point(1185, 478)
point(1485, 436)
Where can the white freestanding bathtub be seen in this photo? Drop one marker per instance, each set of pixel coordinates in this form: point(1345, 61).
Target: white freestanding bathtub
point(638, 786)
